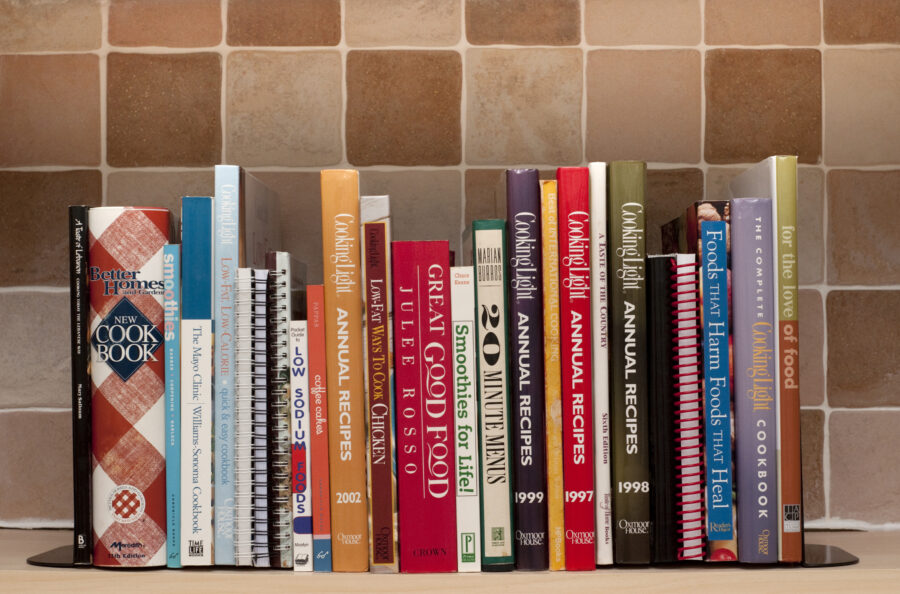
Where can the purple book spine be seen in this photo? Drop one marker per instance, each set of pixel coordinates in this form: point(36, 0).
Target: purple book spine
point(754, 379)
point(523, 200)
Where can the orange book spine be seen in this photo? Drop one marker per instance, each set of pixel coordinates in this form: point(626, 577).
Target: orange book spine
point(343, 347)
point(552, 376)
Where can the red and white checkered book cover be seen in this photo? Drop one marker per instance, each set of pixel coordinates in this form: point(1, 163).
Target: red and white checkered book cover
point(127, 372)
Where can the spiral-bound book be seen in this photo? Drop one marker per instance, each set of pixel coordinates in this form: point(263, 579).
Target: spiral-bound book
point(690, 510)
point(259, 415)
point(673, 380)
point(278, 320)
point(243, 407)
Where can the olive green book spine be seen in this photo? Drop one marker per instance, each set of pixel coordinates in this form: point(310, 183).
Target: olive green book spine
point(628, 364)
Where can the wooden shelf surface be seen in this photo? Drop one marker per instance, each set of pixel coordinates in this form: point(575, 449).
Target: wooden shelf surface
point(878, 570)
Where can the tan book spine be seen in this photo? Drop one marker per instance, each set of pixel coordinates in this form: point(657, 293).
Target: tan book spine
point(552, 371)
point(343, 346)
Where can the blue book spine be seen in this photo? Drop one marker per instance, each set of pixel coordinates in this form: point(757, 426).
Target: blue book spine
point(172, 319)
point(196, 382)
point(225, 263)
point(754, 379)
point(716, 384)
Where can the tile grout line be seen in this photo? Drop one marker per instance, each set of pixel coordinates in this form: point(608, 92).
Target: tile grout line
point(344, 51)
point(221, 48)
point(584, 87)
point(826, 421)
point(462, 46)
point(702, 48)
point(36, 409)
point(104, 109)
point(653, 165)
point(34, 289)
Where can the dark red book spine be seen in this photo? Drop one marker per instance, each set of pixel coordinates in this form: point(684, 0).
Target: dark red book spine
point(378, 379)
point(577, 402)
point(424, 391)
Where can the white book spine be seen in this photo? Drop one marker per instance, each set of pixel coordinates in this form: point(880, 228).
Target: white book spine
point(301, 500)
point(243, 503)
point(493, 389)
point(600, 365)
point(196, 440)
point(468, 507)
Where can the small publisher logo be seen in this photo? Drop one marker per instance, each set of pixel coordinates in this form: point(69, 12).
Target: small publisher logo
point(497, 538)
point(195, 548)
point(467, 547)
point(126, 504)
point(792, 518)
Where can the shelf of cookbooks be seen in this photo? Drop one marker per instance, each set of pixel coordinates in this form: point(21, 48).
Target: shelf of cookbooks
point(557, 401)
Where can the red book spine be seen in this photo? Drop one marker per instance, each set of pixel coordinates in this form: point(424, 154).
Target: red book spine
point(378, 378)
point(577, 402)
point(424, 387)
point(319, 487)
point(128, 385)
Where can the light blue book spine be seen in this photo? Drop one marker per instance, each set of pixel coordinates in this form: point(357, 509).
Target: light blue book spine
point(716, 383)
point(172, 323)
point(225, 264)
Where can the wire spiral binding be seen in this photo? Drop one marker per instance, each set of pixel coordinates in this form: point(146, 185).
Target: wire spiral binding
point(280, 517)
point(687, 350)
point(259, 543)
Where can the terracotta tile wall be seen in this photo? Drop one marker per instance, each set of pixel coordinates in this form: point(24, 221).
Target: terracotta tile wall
point(132, 102)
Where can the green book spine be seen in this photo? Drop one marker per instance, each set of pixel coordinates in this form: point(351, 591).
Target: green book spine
point(491, 299)
point(628, 364)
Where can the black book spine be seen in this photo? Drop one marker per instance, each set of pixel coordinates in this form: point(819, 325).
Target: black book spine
point(81, 382)
point(662, 410)
point(526, 332)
